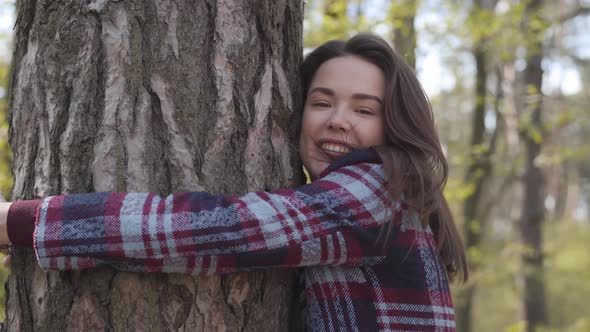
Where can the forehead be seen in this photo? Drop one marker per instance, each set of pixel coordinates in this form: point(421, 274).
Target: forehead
point(349, 75)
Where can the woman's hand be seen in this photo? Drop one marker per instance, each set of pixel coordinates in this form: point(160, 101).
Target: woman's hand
point(4, 240)
point(6, 261)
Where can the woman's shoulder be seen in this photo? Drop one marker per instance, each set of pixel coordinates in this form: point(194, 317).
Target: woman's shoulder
point(358, 171)
point(356, 157)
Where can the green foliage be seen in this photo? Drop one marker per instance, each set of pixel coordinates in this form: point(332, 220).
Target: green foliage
point(556, 155)
point(332, 19)
point(457, 190)
point(5, 153)
point(567, 271)
point(3, 278)
point(564, 137)
point(399, 11)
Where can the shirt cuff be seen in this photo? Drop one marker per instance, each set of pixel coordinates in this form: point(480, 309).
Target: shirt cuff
point(20, 222)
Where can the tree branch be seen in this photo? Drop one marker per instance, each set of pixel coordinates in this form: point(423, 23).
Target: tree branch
point(580, 10)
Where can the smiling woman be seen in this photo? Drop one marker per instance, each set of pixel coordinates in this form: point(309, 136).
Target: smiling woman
point(372, 231)
point(343, 111)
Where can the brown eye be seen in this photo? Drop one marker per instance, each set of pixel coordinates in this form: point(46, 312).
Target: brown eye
point(321, 104)
point(365, 111)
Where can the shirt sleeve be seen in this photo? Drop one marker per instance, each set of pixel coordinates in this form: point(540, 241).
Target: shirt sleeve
point(332, 221)
point(20, 222)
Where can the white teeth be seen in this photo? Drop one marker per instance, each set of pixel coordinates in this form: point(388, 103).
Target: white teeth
point(335, 148)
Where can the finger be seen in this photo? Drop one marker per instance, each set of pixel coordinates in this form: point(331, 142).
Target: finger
point(6, 261)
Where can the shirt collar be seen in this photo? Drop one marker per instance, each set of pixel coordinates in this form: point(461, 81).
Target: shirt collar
point(354, 157)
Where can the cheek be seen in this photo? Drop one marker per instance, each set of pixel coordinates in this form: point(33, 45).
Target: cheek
point(309, 123)
point(380, 133)
point(373, 134)
point(304, 135)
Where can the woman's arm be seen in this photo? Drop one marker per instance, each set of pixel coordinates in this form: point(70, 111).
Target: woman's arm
point(334, 220)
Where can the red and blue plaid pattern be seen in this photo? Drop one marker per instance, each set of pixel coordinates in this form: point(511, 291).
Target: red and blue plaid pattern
point(353, 281)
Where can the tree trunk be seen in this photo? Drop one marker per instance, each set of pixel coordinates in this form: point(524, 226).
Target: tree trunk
point(402, 15)
point(479, 169)
point(155, 96)
point(478, 172)
point(561, 190)
point(533, 207)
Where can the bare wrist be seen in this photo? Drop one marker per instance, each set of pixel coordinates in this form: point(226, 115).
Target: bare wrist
point(4, 239)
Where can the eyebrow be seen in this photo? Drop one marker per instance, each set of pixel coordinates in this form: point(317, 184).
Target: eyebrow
point(330, 92)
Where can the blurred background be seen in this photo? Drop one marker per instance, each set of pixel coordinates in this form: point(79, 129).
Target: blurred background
point(508, 82)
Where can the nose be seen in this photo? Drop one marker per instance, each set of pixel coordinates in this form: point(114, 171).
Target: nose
point(339, 119)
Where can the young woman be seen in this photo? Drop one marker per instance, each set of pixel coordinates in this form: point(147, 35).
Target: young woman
point(372, 230)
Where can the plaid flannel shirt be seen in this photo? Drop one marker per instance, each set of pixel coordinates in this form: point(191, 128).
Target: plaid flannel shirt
point(331, 227)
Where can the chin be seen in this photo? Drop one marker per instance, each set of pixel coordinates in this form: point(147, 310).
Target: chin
point(314, 172)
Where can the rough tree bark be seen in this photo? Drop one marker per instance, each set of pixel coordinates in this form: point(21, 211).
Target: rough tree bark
point(158, 96)
point(533, 207)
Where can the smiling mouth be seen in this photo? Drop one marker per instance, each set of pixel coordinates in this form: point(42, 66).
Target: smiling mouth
point(335, 149)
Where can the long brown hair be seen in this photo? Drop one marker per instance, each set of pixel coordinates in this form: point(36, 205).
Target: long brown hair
point(412, 156)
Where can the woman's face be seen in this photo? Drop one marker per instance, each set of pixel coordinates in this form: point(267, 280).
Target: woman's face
point(343, 111)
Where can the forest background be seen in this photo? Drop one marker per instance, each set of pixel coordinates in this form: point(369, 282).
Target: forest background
point(496, 128)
